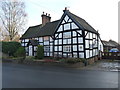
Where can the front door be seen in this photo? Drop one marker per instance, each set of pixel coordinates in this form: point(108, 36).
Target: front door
point(30, 51)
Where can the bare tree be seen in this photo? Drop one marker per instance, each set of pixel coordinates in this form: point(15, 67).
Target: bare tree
point(13, 17)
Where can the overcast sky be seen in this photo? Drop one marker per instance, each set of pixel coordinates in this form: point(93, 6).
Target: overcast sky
point(101, 14)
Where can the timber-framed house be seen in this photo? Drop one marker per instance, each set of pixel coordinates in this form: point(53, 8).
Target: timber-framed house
point(70, 36)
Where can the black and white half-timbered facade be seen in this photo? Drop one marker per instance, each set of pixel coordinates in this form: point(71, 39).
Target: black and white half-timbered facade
point(70, 36)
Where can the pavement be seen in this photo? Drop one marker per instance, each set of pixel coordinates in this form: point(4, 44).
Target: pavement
point(43, 76)
point(104, 65)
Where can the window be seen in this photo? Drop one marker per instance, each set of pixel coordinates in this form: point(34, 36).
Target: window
point(67, 35)
point(74, 47)
point(64, 41)
point(60, 41)
point(80, 47)
point(74, 40)
point(81, 55)
point(56, 48)
point(46, 42)
point(75, 55)
point(67, 26)
point(74, 33)
point(56, 42)
point(67, 48)
point(26, 40)
point(40, 39)
point(86, 43)
point(60, 48)
point(51, 48)
point(69, 41)
point(46, 48)
point(80, 40)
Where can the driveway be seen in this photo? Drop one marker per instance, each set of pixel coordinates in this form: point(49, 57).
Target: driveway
point(34, 76)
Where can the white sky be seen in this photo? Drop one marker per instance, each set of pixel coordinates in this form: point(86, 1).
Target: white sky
point(100, 14)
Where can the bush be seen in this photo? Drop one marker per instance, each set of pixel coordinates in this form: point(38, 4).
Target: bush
point(40, 52)
point(71, 60)
point(10, 47)
point(30, 58)
point(20, 52)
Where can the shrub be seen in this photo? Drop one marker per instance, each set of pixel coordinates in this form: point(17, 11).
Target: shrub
point(40, 52)
point(20, 52)
point(71, 60)
point(10, 47)
point(30, 58)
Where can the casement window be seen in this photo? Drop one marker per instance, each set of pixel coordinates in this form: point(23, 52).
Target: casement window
point(46, 48)
point(80, 39)
point(80, 47)
point(74, 40)
point(86, 43)
point(75, 55)
point(74, 33)
point(67, 48)
point(67, 35)
point(81, 55)
point(51, 48)
point(26, 40)
point(46, 42)
point(60, 48)
point(40, 39)
point(74, 47)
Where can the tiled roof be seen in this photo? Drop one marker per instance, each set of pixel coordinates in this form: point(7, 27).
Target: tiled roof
point(49, 28)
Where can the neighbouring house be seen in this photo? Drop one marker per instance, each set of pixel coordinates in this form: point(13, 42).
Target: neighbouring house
point(108, 45)
point(70, 36)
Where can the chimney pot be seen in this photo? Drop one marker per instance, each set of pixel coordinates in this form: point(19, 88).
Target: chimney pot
point(43, 13)
point(49, 15)
point(46, 14)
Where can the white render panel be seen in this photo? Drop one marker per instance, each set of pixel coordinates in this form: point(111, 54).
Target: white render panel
point(67, 26)
point(74, 26)
point(66, 18)
point(87, 53)
point(30, 50)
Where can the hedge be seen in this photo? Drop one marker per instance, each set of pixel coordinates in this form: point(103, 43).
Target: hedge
point(40, 52)
point(20, 52)
point(10, 47)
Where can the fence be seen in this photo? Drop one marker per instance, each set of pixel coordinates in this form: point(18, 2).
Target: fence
point(111, 55)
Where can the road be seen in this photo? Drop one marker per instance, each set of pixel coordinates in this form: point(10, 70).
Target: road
point(31, 76)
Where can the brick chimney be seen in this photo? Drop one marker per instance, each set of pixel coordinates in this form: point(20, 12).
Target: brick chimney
point(65, 9)
point(45, 18)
